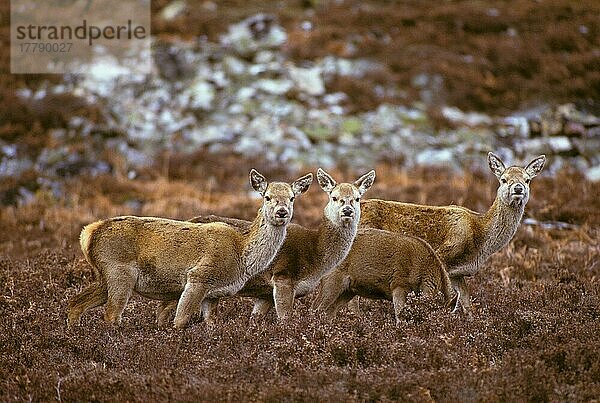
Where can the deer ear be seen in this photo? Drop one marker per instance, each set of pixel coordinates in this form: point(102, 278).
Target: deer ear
point(326, 182)
point(302, 184)
point(365, 182)
point(535, 166)
point(258, 182)
point(496, 164)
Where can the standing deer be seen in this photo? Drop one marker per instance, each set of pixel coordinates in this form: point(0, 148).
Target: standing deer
point(384, 265)
point(463, 239)
point(307, 254)
point(169, 260)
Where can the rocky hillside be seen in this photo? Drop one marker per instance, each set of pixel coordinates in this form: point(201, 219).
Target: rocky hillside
point(245, 90)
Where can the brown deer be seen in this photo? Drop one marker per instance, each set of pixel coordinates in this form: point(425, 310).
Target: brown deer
point(177, 260)
point(384, 265)
point(463, 239)
point(307, 254)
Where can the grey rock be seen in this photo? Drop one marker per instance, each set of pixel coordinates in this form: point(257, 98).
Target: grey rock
point(301, 137)
point(385, 119)
point(254, 33)
point(235, 109)
point(579, 163)
point(335, 98)
point(593, 132)
point(201, 95)
point(10, 166)
point(336, 109)
point(25, 197)
point(234, 66)
point(264, 56)
point(219, 79)
point(256, 69)
point(514, 126)
point(209, 134)
point(505, 153)
point(136, 158)
point(276, 107)
point(587, 146)
point(570, 113)
point(532, 146)
point(559, 144)
point(574, 129)
point(245, 93)
point(593, 174)
point(333, 66)
point(308, 80)
point(420, 80)
point(9, 150)
point(172, 10)
point(272, 86)
point(433, 157)
point(472, 119)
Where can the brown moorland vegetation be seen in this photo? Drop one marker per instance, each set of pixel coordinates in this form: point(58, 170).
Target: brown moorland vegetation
point(534, 335)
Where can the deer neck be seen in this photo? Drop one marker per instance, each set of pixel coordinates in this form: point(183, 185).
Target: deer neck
point(262, 243)
point(500, 224)
point(333, 244)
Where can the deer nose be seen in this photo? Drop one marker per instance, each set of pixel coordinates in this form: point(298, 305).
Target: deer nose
point(518, 189)
point(281, 213)
point(347, 211)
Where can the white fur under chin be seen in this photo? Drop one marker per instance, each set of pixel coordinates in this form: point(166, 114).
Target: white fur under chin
point(256, 258)
point(258, 255)
point(339, 241)
point(517, 202)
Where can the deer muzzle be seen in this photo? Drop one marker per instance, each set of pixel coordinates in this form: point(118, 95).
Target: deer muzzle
point(282, 213)
point(347, 213)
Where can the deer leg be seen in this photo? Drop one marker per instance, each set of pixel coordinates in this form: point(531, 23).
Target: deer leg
point(261, 308)
point(339, 302)
point(317, 296)
point(354, 306)
point(331, 288)
point(283, 295)
point(399, 300)
point(164, 311)
point(428, 288)
point(336, 294)
point(189, 302)
point(94, 295)
point(120, 283)
point(193, 294)
point(464, 299)
point(209, 308)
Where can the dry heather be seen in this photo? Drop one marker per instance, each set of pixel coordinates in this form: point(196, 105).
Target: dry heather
point(534, 335)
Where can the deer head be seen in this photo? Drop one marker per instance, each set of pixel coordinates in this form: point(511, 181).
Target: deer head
point(344, 198)
point(278, 197)
point(514, 181)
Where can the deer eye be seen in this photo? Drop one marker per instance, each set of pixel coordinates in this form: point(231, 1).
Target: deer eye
point(334, 198)
point(267, 198)
point(527, 181)
point(503, 180)
point(292, 198)
point(357, 200)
